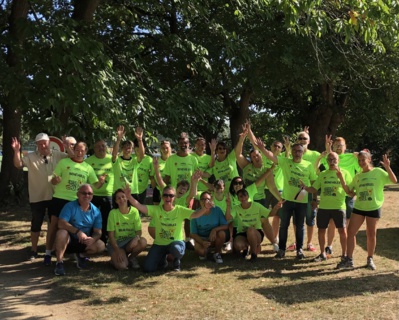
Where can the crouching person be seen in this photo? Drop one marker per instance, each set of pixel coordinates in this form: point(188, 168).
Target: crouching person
point(79, 231)
point(124, 233)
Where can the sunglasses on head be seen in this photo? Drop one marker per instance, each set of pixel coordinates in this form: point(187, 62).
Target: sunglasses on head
point(168, 195)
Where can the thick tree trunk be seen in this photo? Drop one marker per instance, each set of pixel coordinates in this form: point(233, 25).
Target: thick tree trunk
point(10, 177)
point(325, 119)
point(239, 113)
point(84, 10)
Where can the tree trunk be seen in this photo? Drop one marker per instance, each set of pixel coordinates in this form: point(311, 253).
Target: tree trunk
point(84, 10)
point(10, 177)
point(325, 119)
point(239, 113)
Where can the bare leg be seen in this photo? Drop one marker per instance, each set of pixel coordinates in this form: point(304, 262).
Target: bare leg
point(354, 226)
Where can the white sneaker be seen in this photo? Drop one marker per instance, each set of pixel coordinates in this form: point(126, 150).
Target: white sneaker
point(276, 248)
point(227, 246)
point(133, 262)
point(217, 257)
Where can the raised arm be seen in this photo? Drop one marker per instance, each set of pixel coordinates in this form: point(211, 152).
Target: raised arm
point(120, 133)
point(16, 146)
point(268, 154)
point(200, 212)
point(141, 207)
point(387, 165)
point(193, 186)
point(287, 146)
point(158, 176)
point(317, 162)
point(141, 150)
point(242, 162)
point(212, 146)
point(267, 173)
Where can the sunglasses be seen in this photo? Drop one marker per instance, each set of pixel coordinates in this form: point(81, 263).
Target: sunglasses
point(238, 183)
point(302, 138)
point(168, 195)
point(86, 193)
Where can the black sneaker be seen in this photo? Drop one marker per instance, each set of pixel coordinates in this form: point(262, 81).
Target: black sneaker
point(300, 255)
point(32, 255)
point(280, 254)
point(328, 251)
point(244, 253)
point(59, 269)
point(189, 245)
point(320, 257)
point(254, 256)
point(176, 264)
point(47, 260)
point(80, 261)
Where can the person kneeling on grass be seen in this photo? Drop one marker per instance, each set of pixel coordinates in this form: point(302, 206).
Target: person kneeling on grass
point(168, 229)
point(210, 230)
point(79, 230)
point(124, 233)
point(248, 216)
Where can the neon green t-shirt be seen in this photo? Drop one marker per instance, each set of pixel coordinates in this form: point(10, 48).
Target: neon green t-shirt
point(226, 169)
point(252, 191)
point(73, 175)
point(277, 172)
point(203, 165)
point(168, 224)
point(347, 161)
point(143, 173)
point(251, 174)
point(125, 226)
point(180, 168)
point(369, 187)
point(125, 172)
point(293, 172)
point(332, 194)
point(103, 166)
point(250, 217)
point(311, 156)
point(220, 203)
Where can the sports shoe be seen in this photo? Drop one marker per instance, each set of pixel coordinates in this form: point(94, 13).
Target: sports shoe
point(134, 263)
point(292, 247)
point(32, 255)
point(320, 257)
point(47, 260)
point(276, 248)
point(80, 261)
point(227, 246)
point(254, 256)
point(176, 265)
point(280, 254)
point(345, 263)
point(244, 253)
point(370, 264)
point(190, 244)
point(217, 257)
point(59, 269)
point(311, 247)
point(299, 254)
point(328, 250)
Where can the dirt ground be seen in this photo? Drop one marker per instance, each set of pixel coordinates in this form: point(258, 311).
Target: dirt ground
point(29, 290)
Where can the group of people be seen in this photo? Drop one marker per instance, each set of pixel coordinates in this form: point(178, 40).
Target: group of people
point(95, 203)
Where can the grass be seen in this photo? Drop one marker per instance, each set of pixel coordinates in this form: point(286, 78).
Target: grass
point(266, 289)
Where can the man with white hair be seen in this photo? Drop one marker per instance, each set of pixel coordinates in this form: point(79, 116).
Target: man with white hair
point(41, 165)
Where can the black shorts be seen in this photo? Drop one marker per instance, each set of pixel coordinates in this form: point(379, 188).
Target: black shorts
point(244, 234)
point(372, 214)
point(270, 199)
point(74, 246)
point(324, 216)
point(56, 206)
point(38, 210)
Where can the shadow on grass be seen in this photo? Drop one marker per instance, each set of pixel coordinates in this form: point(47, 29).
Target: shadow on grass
point(337, 289)
point(387, 242)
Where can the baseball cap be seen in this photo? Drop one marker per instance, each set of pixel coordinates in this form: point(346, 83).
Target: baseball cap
point(42, 136)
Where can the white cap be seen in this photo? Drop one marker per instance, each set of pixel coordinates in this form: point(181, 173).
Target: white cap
point(42, 136)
